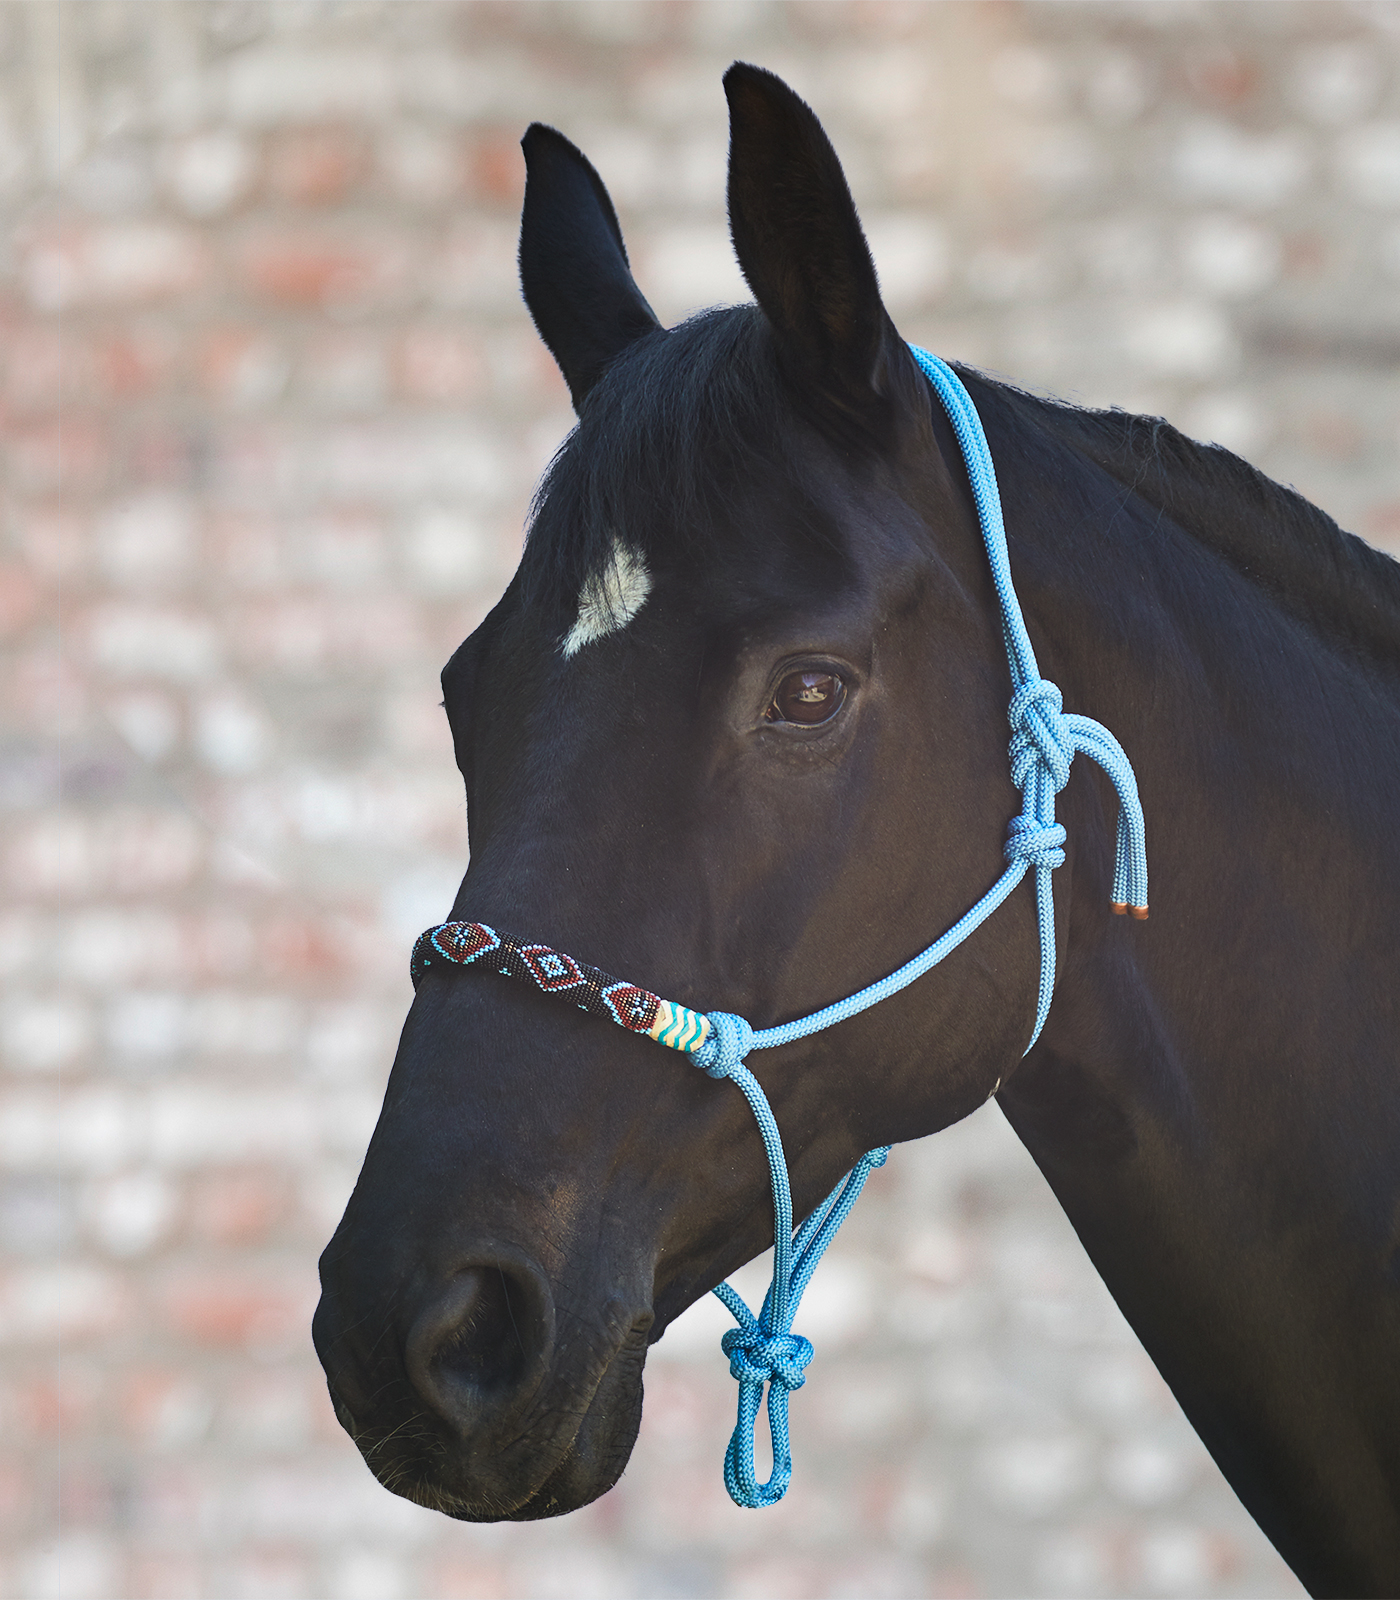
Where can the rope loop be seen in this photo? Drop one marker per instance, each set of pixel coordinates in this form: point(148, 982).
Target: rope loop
point(757, 1357)
point(1038, 844)
point(730, 1040)
point(1039, 734)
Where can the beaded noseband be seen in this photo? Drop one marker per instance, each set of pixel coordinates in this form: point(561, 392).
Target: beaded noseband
point(763, 1349)
point(552, 972)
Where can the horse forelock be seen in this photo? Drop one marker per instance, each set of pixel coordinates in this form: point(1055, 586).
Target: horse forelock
point(682, 425)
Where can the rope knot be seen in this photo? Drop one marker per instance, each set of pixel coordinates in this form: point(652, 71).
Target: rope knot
point(1039, 735)
point(730, 1040)
point(759, 1357)
point(1038, 844)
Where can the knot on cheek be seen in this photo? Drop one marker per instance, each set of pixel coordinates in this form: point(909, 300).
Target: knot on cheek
point(1038, 844)
point(1040, 736)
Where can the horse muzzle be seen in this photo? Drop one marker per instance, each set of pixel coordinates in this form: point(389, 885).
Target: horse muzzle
point(470, 1402)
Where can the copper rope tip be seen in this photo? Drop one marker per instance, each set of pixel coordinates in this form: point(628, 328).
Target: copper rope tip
point(1140, 912)
point(1119, 908)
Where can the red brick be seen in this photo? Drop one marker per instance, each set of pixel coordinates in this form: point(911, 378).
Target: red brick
point(164, 1407)
point(439, 364)
point(47, 1405)
point(41, 366)
point(1221, 77)
point(54, 540)
point(246, 548)
point(85, 1493)
point(216, 944)
point(314, 166)
point(241, 366)
point(17, 1488)
point(307, 947)
point(19, 598)
point(239, 1207)
point(42, 691)
point(1306, 254)
point(68, 455)
point(469, 1577)
point(286, 632)
point(311, 270)
point(421, 166)
point(1334, 435)
point(497, 166)
point(164, 454)
point(135, 362)
point(237, 1308)
point(1382, 524)
point(171, 1500)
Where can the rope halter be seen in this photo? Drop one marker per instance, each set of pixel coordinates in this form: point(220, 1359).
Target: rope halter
point(763, 1350)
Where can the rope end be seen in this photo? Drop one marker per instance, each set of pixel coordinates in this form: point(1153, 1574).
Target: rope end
point(1121, 908)
point(1140, 912)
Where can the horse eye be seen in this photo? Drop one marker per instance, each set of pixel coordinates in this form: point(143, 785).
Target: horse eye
point(807, 697)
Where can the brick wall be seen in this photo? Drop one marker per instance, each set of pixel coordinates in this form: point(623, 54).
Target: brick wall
point(272, 412)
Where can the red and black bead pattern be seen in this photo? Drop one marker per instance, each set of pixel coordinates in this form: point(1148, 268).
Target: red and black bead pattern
point(467, 944)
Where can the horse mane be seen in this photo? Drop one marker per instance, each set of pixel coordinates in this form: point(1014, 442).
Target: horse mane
point(1346, 591)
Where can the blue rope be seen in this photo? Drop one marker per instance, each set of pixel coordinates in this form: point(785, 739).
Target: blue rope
point(763, 1349)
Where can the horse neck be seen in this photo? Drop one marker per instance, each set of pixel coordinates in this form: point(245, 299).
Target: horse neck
point(1268, 756)
point(1213, 1097)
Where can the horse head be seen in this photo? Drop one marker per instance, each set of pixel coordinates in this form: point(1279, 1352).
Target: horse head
point(735, 731)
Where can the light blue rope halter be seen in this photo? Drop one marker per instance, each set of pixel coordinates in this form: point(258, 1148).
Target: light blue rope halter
point(1044, 741)
point(763, 1349)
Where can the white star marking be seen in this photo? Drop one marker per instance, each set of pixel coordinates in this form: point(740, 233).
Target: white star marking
point(609, 599)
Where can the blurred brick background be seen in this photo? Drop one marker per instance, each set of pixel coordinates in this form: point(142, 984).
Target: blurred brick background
point(272, 412)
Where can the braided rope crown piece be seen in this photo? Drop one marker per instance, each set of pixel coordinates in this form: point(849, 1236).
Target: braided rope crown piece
point(763, 1350)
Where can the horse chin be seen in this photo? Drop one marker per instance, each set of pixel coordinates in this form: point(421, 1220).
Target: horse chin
point(578, 1470)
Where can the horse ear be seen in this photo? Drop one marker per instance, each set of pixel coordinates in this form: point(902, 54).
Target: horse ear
point(799, 240)
point(573, 264)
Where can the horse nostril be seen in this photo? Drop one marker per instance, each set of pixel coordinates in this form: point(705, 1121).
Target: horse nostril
point(473, 1347)
point(486, 1347)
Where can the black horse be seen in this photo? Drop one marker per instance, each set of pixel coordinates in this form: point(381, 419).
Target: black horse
point(737, 730)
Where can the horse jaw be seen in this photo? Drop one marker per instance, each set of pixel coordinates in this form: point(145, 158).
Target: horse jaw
point(610, 598)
